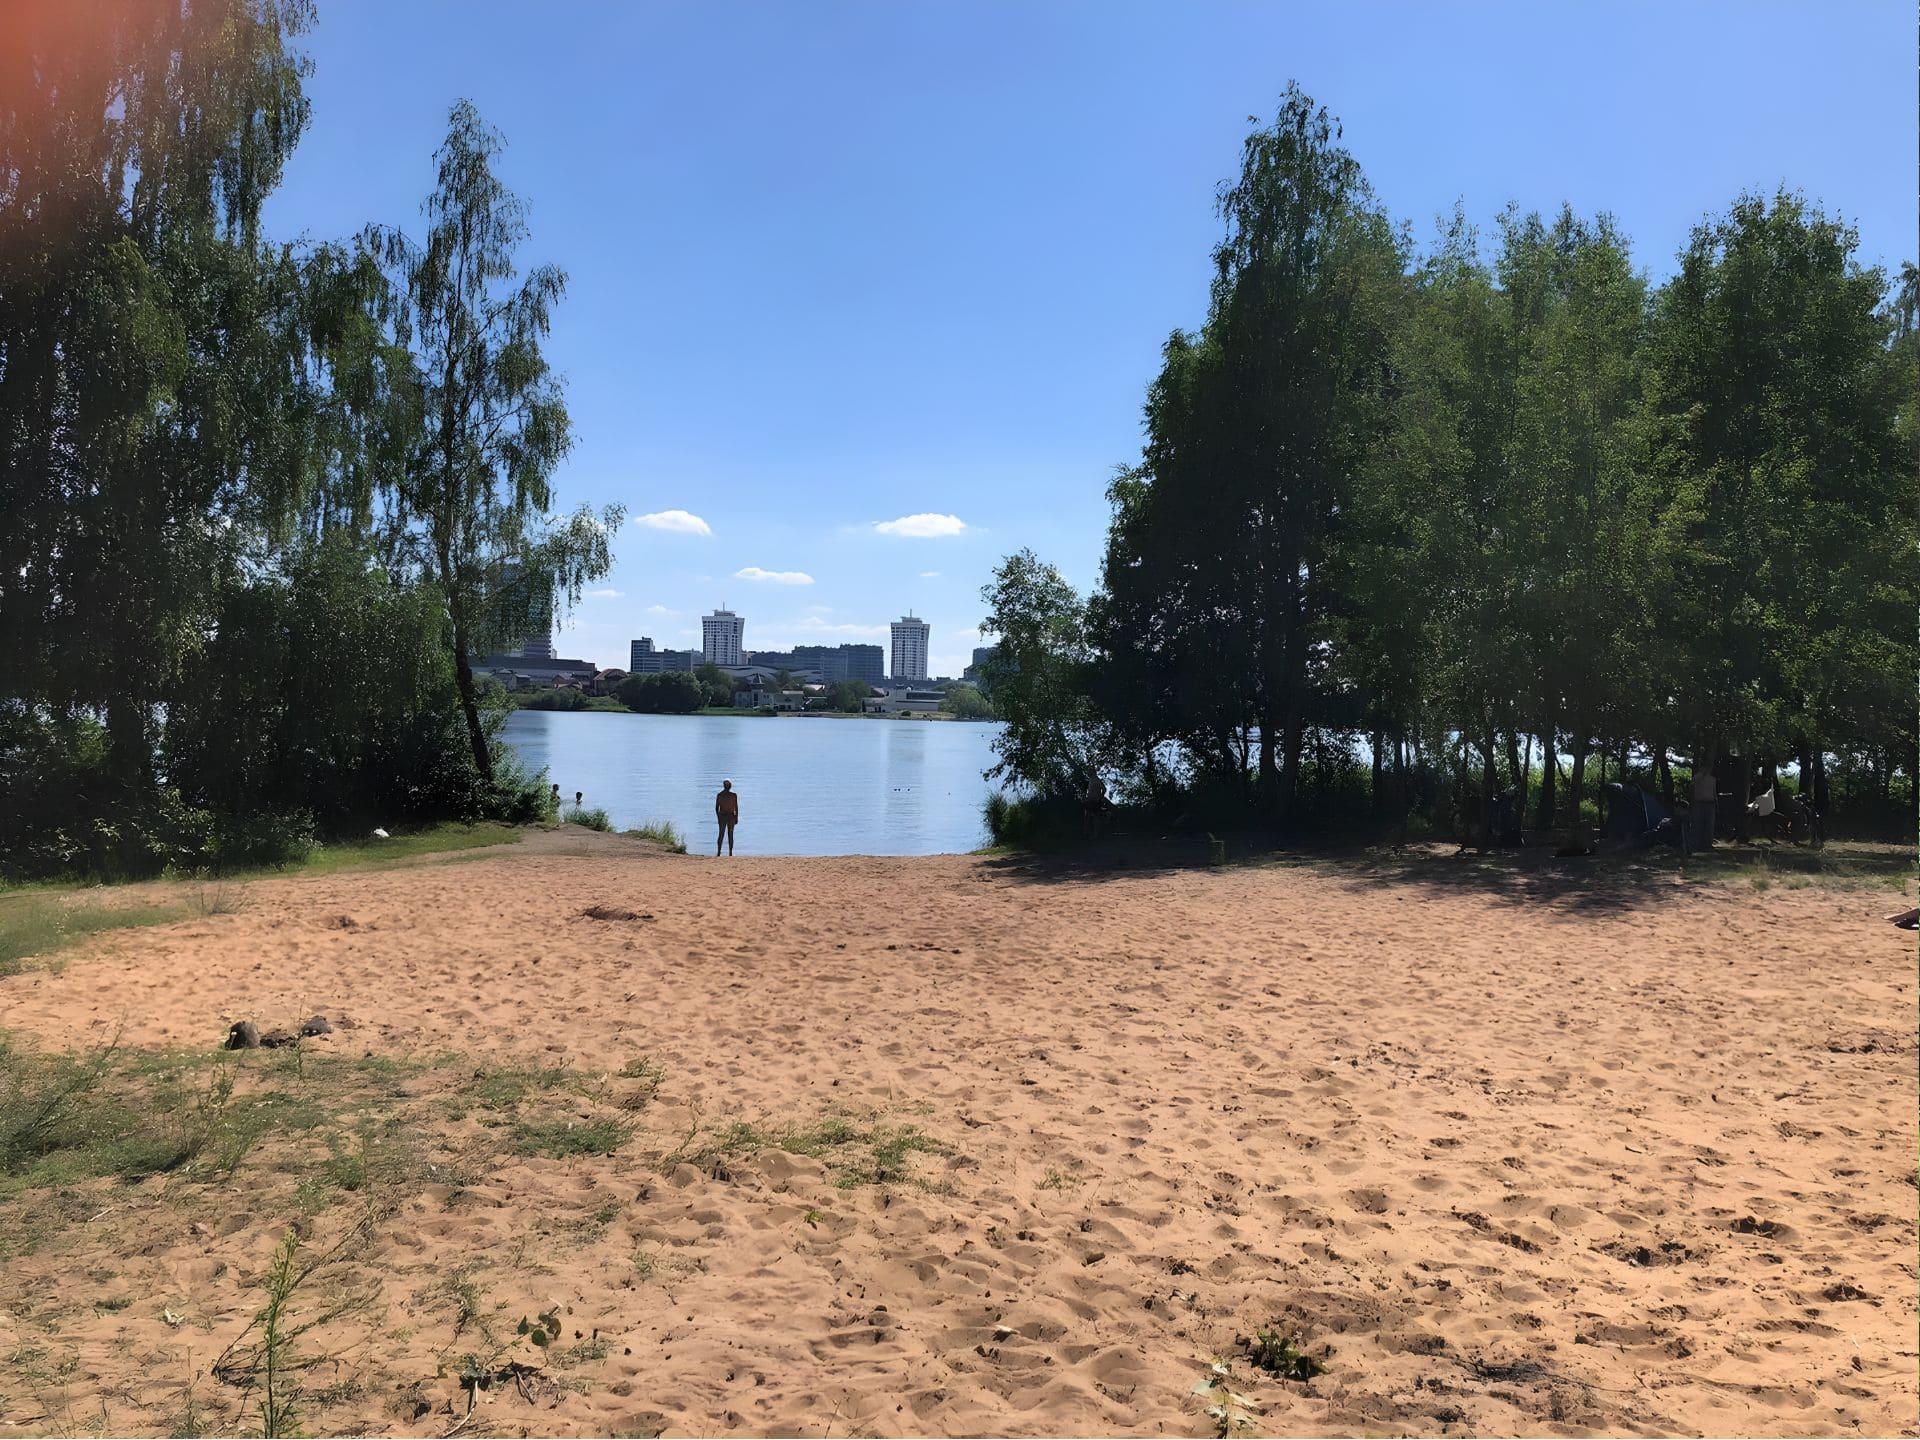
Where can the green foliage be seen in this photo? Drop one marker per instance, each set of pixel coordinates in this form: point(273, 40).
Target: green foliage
point(1403, 523)
point(556, 698)
point(562, 1139)
point(593, 818)
point(246, 544)
point(1275, 1352)
point(662, 832)
point(1038, 676)
point(1031, 821)
point(486, 415)
point(965, 702)
point(67, 1118)
point(716, 685)
point(848, 696)
point(674, 692)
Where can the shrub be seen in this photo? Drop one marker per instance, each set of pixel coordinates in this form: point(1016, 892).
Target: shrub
point(260, 839)
point(594, 818)
point(554, 699)
point(1025, 820)
point(676, 692)
point(661, 832)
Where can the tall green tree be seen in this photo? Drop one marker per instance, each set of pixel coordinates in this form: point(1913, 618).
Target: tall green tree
point(152, 346)
point(1220, 560)
point(472, 507)
point(1038, 676)
point(1776, 450)
point(1588, 573)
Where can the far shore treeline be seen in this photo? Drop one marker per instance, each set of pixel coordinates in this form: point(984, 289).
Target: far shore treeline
point(260, 500)
point(1430, 534)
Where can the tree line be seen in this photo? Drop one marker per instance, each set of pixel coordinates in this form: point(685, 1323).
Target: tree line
point(259, 501)
point(1432, 529)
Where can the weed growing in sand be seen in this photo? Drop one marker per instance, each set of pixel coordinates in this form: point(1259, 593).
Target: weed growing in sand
point(264, 1355)
point(1275, 1352)
point(507, 1087)
point(217, 898)
point(469, 1301)
point(1230, 1411)
point(563, 1139)
point(64, 1119)
point(592, 818)
point(663, 833)
point(1058, 1180)
point(873, 1155)
point(646, 1070)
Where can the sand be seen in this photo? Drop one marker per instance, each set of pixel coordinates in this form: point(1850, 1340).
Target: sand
point(1512, 1155)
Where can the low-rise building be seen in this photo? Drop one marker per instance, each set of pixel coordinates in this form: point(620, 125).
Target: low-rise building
point(519, 672)
point(643, 659)
point(905, 700)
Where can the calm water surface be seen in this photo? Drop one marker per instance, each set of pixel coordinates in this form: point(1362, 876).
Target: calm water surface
point(807, 786)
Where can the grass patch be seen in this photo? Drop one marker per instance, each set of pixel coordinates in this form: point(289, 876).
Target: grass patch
point(564, 1139)
point(35, 923)
point(65, 1119)
point(592, 818)
point(1839, 865)
point(855, 1154)
point(661, 832)
point(375, 854)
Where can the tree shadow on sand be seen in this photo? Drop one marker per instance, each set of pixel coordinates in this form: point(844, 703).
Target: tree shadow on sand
point(1533, 875)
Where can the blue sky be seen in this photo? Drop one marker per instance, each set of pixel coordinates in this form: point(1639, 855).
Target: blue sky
point(833, 265)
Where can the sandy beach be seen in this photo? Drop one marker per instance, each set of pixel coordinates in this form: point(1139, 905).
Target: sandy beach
point(963, 1145)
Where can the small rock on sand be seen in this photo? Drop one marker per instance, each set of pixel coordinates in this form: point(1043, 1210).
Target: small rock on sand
point(245, 1035)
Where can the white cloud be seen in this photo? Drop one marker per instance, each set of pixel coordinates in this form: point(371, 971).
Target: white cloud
point(774, 577)
point(929, 574)
point(674, 522)
point(819, 609)
point(660, 610)
point(605, 594)
point(927, 526)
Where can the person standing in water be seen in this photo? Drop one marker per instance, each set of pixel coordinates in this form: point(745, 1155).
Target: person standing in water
point(726, 806)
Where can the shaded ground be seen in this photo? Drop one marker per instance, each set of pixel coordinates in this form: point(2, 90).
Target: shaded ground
point(923, 1146)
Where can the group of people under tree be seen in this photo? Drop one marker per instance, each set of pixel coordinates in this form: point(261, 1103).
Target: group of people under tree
point(1413, 527)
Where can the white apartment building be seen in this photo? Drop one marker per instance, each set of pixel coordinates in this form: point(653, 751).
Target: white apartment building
point(910, 648)
point(720, 637)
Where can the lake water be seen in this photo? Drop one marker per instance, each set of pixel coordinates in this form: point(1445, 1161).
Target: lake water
point(807, 786)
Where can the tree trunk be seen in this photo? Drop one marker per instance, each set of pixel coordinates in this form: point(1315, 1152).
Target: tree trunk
point(1518, 773)
point(1296, 733)
point(1664, 770)
point(1576, 783)
point(1488, 780)
point(1706, 796)
point(469, 706)
point(1400, 780)
point(1525, 786)
point(1549, 781)
point(1267, 787)
point(1377, 741)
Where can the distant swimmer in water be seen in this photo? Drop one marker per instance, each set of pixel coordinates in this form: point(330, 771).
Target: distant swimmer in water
point(726, 806)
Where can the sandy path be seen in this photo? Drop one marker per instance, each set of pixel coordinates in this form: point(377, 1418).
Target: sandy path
point(1640, 1164)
